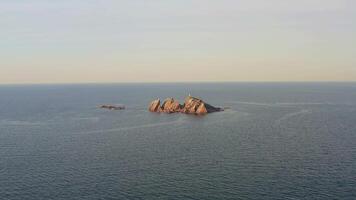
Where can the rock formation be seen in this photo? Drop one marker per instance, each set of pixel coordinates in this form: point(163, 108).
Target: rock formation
point(170, 106)
point(113, 107)
point(191, 105)
point(155, 106)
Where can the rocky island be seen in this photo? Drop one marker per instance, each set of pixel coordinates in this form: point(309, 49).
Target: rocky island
point(192, 105)
point(112, 107)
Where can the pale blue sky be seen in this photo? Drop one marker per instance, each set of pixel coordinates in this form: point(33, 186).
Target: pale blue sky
point(46, 41)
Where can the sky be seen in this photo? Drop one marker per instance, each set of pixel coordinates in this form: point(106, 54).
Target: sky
point(99, 41)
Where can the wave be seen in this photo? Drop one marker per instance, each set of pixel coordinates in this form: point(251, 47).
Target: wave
point(20, 123)
point(179, 121)
point(293, 114)
point(93, 119)
point(251, 103)
point(290, 103)
point(313, 103)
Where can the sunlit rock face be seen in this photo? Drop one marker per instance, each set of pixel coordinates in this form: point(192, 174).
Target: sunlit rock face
point(170, 106)
point(155, 106)
point(192, 105)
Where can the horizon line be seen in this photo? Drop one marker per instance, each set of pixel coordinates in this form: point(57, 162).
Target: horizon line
point(165, 82)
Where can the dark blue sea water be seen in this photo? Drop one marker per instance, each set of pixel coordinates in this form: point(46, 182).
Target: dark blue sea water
point(277, 141)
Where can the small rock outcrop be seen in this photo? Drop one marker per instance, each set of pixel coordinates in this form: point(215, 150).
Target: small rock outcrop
point(155, 106)
point(192, 105)
point(170, 106)
point(112, 107)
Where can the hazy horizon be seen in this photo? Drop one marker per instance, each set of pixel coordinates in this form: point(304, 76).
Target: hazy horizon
point(179, 82)
point(45, 42)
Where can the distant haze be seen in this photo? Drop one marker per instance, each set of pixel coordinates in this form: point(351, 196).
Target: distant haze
point(71, 41)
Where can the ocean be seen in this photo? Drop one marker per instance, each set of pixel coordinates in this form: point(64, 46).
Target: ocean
point(274, 141)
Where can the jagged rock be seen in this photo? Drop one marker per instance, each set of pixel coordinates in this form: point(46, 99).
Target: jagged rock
point(191, 105)
point(155, 106)
point(202, 109)
point(113, 107)
point(170, 106)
